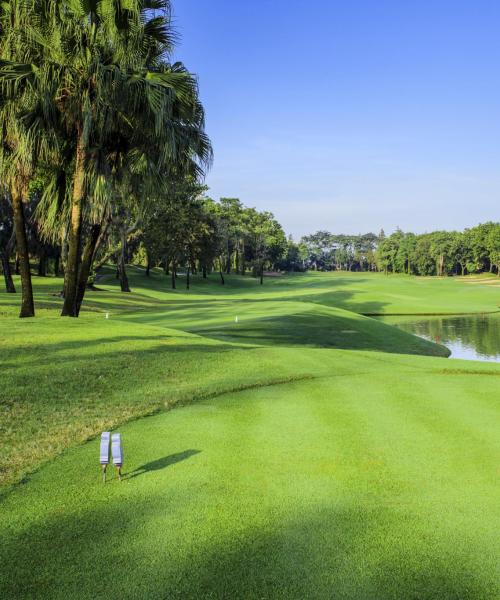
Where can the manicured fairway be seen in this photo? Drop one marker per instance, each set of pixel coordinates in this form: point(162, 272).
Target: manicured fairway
point(63, 381)
point(341, 470)
point(324, 488)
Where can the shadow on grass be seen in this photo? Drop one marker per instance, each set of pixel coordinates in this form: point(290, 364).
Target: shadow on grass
point(162, 463)
point(62, 352)
point(160, 549)
point(323, 331)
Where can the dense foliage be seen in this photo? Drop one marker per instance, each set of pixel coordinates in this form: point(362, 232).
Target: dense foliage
point(96, 125)
point(103, 152)
point(474, 250)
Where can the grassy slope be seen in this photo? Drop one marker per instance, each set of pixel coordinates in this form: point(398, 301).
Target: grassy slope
point(95, 373)
point(372, 475)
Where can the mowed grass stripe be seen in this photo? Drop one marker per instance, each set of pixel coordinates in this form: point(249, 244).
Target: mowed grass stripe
point(364, 500)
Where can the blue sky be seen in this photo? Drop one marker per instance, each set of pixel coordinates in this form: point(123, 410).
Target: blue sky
point(353, 115)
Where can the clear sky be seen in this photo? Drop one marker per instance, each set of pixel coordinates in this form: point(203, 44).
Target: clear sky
point(351, 115)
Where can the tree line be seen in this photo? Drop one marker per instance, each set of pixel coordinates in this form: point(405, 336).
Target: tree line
point(474, 250)
point(184, 230)
point(198, 234)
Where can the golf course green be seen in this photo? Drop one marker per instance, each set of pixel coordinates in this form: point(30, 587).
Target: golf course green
point(313, 452)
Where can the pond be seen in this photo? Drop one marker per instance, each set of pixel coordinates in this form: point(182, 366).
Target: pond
point(471, 337)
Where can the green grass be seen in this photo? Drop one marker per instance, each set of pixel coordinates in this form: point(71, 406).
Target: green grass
point(317, 455)
point(157, 348)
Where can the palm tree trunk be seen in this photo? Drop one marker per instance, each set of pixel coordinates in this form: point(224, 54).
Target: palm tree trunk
point(10, 288)
point(87, 259)
point(64, 251)
point(5, 259)
point(75, 235)
point(27, 302)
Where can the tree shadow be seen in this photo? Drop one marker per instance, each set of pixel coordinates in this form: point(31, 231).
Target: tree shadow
point(161, 463)
point(323, 330)
point(353, 553)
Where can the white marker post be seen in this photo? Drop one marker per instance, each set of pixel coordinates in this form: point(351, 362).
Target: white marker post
point(236, 319)
point(117, 453)
point(104, 453)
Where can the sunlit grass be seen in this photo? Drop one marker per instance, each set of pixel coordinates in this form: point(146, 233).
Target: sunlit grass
point(65, 380)
point(316, 454)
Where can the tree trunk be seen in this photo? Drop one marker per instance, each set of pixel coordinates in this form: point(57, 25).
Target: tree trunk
point(64, 250)
point(122, 271)
point(174, 275)
point(204, 270)
point(148, 265)
point(57, 262)
point(262, 274)
point(27, 302)
point(10, 288)
point(221, 275)
point(87, 259)
point(124, 284)
point(187, 277)
point(42, 264)
point(75, 235)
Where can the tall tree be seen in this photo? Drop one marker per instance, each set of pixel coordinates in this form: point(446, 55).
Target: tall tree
point(23, 116)
point(102, 76)
point(7, 241)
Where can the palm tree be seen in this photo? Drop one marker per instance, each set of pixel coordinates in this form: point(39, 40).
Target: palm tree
point(22, 127)
point(115, 85)
point(7, 241)
point(99, 75)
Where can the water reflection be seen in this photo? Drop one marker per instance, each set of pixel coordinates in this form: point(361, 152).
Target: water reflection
point(470, 337)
